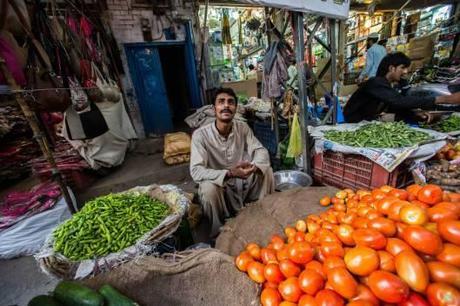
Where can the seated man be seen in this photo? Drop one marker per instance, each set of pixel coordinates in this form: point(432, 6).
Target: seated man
point(229, 163)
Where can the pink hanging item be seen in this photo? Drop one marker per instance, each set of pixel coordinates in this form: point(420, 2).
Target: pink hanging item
point(12, 62)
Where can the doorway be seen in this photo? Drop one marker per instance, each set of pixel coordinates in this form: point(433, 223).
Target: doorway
point(175, 78)
point(165, 80)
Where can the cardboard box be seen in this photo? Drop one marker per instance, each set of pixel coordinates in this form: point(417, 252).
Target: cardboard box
point(419, 42)
point(420, 53)
point(246, 87)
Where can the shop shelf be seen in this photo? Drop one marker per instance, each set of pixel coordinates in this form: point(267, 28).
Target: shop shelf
point(356, 172)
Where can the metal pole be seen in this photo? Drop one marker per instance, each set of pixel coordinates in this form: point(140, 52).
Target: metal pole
point(303, 99)
point(333, 40)
point(38, 134)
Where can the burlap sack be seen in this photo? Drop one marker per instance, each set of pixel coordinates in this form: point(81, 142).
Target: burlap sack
point(176, 144)
point(201, 277)
point(259, 221)
point(177, 159)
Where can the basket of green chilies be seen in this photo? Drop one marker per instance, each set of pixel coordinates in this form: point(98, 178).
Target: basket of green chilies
point(113, 229)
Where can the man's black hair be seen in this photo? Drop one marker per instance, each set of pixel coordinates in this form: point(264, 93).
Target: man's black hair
point(392, 59)
point(226, 90)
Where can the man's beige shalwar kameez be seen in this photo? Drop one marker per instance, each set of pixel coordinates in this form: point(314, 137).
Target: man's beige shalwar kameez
point(212, 155)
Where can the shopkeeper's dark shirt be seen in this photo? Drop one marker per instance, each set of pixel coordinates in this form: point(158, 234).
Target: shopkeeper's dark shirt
point(375, 96)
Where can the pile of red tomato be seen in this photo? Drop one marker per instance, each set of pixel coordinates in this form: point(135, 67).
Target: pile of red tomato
point(381, 247)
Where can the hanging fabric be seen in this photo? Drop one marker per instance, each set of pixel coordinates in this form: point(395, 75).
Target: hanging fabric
point(226, 36)
point(85, 125)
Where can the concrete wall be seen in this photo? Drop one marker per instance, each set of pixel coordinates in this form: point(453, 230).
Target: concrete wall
point(125, 20)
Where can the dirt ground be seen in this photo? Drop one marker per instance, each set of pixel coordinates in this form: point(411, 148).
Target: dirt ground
point(21, 278)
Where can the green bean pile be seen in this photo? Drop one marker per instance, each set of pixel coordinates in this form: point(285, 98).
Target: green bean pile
point(447, 125)
point(108, 224)
point(379, 135)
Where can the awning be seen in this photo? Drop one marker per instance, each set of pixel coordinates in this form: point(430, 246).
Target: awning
point(330, 8)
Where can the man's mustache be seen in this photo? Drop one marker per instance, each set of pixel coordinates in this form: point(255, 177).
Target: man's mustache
point(226, 111)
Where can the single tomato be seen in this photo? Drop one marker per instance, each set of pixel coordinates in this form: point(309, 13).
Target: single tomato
point(430, 194)
point(441, 294)
point(329, 248)
point(387, 261)
point(243, 260)
point(365, 294)
point(383, 205)
point(370, 238)
point(388, 287)
point(301, 226)
point(450, 230)
point(327, 236)
point(443, 211)
point(378, 194)
point(327, 297)
point(399, 193)
point(396, 246)
point(412, 270)
point(333, 262)
point(289, 268)
point(273, 274)
point(282, 254)
point(454, 197)
point(312, 226)
point(395, 209)
point(325, 201)
point(290, 290)
point(360, 223)
point(300, 252)
point(268, 255)
point(386, 226)
point(277, 242)
point(289, 231)
point(311, 281)
point(344, 233)
point(413, 215)
point(414, 299)
point(343, 282)
point(306, 300)
point(362, 260)
point(444, 273)
point(413, 189)
point(270, 297)
point(422, 240)
point(256, 271)
point(450, 254)
point(254, 250)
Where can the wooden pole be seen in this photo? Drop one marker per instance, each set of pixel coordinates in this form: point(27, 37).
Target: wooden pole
point(38, 134)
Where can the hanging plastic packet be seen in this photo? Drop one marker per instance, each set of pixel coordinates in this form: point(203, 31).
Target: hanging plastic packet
point(295, 139)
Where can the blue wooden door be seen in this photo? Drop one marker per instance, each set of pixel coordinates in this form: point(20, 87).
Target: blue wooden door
point(147, 76)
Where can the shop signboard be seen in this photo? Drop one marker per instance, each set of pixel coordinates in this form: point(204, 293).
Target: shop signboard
point(330, 8)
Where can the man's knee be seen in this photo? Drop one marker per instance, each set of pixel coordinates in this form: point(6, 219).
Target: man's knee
point(209, 192)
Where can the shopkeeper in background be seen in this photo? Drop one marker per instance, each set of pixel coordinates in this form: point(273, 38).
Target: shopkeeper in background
point(375, 53)
point(228, 162)
point(379, 95)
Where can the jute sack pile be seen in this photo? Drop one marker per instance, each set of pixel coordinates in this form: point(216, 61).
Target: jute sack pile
point(259, 221)
point(176, 148)
point(202, 277)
